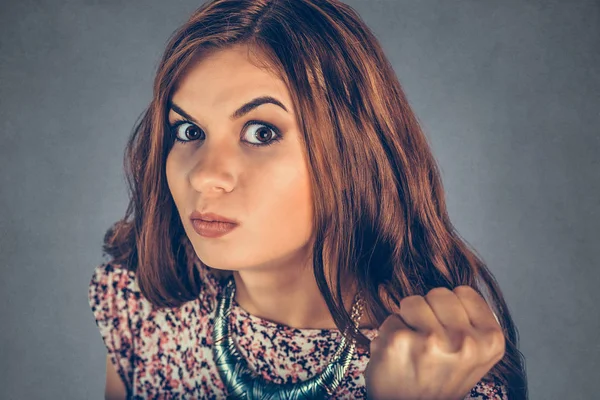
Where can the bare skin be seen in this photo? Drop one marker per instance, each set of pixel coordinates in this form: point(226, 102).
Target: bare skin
point(267, 189)
point(115, 388)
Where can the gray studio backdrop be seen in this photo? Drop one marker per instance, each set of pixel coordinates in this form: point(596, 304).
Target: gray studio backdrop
point(508, 93)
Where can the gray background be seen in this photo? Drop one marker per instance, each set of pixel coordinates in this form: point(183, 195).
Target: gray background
point(507, 91)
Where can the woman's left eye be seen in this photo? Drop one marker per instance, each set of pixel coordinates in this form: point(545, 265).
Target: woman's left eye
point(265, 134)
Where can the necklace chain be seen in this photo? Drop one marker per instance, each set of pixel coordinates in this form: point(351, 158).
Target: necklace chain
point(242, 383)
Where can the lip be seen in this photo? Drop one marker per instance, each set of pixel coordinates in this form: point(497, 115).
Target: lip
point(211, 217)
point(212, 229)
point(211, 225)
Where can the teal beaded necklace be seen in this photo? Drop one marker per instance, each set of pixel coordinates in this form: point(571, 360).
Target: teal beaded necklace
point(242, 383)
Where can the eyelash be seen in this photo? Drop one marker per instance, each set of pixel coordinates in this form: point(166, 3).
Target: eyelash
point(173, 128)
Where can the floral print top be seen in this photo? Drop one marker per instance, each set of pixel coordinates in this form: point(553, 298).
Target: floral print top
point(166, 353)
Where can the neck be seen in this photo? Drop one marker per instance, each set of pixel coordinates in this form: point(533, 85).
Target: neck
point(289, 299)
point(288, 296)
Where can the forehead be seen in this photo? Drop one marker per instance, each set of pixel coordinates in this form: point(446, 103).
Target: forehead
point(227, 77)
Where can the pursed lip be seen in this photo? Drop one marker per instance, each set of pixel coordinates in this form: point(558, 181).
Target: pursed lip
point(211, 217)
point(212, 229)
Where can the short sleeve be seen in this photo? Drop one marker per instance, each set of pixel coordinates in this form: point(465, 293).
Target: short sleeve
point(114, 299)
point(488, 390)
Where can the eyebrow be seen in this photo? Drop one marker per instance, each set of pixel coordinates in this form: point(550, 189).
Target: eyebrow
point(240, 112)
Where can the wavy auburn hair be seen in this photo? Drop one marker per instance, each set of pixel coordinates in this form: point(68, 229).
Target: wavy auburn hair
point(380, 214)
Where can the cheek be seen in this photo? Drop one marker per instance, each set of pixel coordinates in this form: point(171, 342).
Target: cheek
point(174, 177)
point(285, 203)
point(278, 222)
point(169, 173)
point(274, 202)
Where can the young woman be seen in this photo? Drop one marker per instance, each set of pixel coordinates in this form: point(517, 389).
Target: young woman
point(287, 235)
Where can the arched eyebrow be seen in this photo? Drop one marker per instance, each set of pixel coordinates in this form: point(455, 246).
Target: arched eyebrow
point(240, 112)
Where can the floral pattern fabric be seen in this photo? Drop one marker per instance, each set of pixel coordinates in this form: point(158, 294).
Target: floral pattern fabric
point(166, 353)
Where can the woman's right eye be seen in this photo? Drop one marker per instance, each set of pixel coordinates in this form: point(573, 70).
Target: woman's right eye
point(189, 133)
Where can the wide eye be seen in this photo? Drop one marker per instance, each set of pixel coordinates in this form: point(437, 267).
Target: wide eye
point(189, 133)
point(264, 134)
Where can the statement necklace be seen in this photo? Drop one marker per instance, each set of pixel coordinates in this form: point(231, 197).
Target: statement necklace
point(242, 383)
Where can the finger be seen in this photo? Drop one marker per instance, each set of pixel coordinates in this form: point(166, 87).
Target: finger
point(392, 324)
point(448, 309)
point(417, 313)
point(483, 320)
point(479, 312)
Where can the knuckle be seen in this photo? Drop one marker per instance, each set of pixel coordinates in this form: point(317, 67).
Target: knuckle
point(495, 342)
point(410, 301)
point(400, 339)
point(464, 290)
point(470, 347)
point(499, 341)
point(435, 343)
point(437, 292)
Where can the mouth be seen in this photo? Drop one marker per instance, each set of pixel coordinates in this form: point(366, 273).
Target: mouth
point(211, 217)
point(212, 229)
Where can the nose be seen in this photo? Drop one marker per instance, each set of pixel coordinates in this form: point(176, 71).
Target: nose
point(214, 171)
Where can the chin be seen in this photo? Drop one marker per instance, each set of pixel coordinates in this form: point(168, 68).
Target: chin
point(218, 259)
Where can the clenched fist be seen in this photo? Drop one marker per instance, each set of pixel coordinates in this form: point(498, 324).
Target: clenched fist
point(434, 347)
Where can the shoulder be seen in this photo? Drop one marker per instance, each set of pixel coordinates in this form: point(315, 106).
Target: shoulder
point(114, 296)
point(488, 390)
point(117, 306)
point(113, 275)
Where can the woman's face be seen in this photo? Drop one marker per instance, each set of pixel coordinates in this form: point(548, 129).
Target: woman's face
point(266, 188)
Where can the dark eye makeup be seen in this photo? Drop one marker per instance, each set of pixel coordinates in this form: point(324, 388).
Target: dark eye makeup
point(174, 127)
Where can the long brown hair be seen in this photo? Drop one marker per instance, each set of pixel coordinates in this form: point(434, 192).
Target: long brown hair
point(380, 213)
